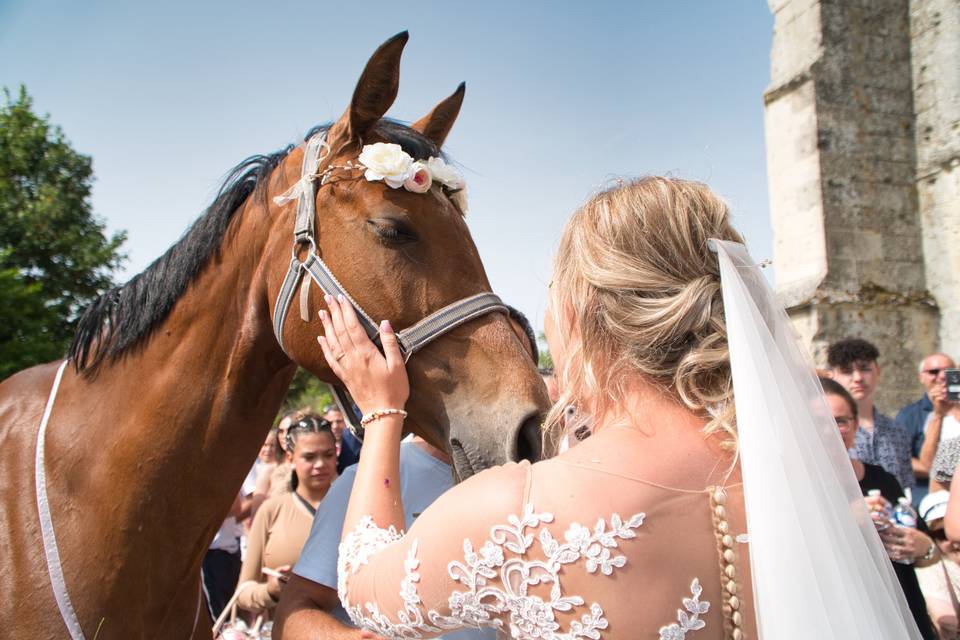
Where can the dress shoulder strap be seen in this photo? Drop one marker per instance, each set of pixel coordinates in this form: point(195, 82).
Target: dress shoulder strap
point(527, 483)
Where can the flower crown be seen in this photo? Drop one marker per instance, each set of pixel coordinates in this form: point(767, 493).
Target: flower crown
point(388, 162)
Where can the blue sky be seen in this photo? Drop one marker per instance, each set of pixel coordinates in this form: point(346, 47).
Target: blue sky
point(561, 98)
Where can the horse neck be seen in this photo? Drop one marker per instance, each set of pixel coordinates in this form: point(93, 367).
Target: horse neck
point(196, 401)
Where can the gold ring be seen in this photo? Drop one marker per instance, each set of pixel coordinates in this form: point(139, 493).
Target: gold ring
point(339, 356)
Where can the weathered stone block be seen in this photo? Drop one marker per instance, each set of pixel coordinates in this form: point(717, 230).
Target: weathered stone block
point(936, 75)
point(801, 32)
point(939, 198)
point(876, 85)
point(906, 249)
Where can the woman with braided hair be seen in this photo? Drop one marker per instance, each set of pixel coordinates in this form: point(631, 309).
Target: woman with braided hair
point(282, 523)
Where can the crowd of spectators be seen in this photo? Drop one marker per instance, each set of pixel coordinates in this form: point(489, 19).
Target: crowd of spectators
point(913, 455)
point(253, 553)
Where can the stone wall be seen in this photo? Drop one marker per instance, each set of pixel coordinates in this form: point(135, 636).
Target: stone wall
point(935, 36)
point(842, 168)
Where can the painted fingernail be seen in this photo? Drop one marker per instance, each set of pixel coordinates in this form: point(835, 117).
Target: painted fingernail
point(385, 325)
point(327, 298)
point(340, 297)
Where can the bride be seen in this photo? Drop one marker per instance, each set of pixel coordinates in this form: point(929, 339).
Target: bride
point(684, 515)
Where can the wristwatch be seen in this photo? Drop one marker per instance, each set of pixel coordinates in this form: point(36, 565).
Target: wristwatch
point(930, 552)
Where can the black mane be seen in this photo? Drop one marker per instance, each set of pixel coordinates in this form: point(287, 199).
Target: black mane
point(126, 315)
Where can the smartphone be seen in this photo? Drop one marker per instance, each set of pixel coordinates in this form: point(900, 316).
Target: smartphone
point(267, 571)
point(953, 384)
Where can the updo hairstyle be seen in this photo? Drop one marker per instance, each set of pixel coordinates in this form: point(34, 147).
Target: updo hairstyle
point(636, 293)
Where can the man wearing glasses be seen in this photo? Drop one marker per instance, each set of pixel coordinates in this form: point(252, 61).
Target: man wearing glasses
point(920, 419)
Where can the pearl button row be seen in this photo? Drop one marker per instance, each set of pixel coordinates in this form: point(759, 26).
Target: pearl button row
point(733, 619)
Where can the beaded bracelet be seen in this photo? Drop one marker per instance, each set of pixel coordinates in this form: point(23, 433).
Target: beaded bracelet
point(381, 413)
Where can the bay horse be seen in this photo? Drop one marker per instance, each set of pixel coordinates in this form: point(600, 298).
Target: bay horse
point(177, 375)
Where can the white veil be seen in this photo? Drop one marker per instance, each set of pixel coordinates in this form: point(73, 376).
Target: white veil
point(819, 569)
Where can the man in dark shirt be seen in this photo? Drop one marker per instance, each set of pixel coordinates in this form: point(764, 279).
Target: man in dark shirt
point(913, 417)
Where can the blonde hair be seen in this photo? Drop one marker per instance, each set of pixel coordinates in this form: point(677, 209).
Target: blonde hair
point(637, 292)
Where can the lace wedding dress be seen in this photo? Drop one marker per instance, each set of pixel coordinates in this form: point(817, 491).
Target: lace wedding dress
point(581, 546)
point(614, 539)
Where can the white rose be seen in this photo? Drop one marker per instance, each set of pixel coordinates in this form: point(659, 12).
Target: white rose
point(387, 162)
point(445, 174)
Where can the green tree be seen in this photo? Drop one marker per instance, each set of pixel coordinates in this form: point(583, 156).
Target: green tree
point(55, 256)
point(546, 360)
point(307, 392)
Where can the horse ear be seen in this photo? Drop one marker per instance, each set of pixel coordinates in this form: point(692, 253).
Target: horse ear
point(437, 124)
point(376, 90)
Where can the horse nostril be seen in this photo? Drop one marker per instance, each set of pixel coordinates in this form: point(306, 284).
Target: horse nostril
point(529, 440)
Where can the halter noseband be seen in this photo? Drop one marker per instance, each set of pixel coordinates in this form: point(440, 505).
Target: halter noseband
point(410, 339)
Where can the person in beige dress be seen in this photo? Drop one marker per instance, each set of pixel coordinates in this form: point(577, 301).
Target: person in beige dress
point(283, 522)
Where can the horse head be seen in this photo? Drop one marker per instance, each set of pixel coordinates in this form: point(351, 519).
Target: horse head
point(402, 255)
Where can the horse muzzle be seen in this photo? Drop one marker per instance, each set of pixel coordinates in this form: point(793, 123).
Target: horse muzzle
point(475, 447)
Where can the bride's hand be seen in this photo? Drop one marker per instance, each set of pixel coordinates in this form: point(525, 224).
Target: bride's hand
point(375, 380)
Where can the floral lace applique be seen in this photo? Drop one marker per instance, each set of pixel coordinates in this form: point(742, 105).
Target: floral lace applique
point(481, 604)
point(689, 620)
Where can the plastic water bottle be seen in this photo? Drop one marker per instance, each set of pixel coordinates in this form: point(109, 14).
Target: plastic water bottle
point(904, 516)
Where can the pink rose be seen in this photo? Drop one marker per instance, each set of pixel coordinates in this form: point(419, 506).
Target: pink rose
point(420, 180)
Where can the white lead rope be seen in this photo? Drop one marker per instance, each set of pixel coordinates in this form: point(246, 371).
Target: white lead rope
point(46, 522)
point(51, 551)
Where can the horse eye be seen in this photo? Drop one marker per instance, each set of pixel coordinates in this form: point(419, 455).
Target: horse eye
point(392, 231)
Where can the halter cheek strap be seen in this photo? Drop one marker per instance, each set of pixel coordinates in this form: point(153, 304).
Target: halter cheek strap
point(410, 339)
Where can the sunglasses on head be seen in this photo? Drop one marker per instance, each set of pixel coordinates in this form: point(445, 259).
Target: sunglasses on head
point(309, 424)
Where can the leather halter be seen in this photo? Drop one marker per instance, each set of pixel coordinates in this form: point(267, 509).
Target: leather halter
point(410, 339)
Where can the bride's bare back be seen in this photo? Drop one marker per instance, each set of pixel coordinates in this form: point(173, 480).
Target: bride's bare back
point(586, 545)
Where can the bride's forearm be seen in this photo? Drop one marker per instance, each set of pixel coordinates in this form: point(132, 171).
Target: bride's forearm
point(378, 383)
point(376, 490)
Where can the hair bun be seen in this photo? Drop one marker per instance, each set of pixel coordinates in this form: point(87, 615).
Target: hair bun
point(641, 291)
